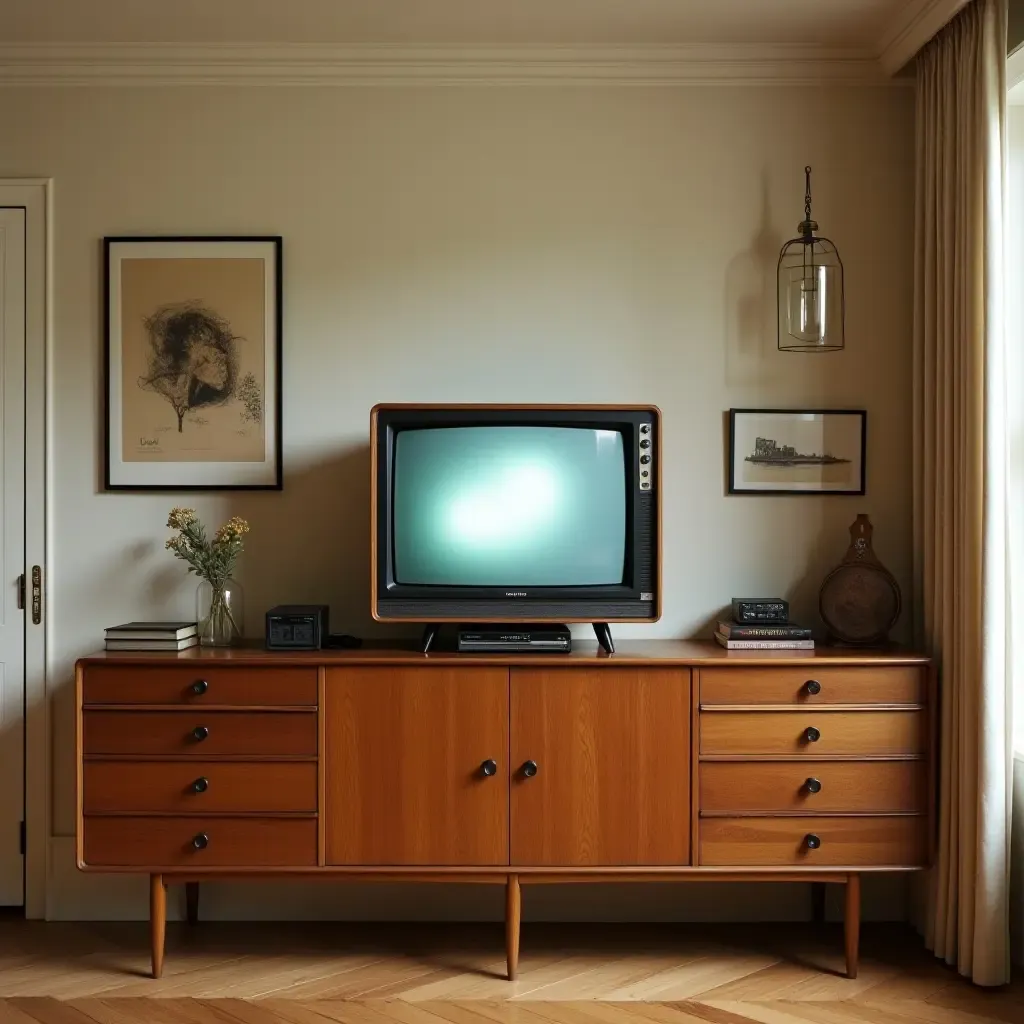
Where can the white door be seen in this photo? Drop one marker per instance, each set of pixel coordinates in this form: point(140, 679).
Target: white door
point(12, 554)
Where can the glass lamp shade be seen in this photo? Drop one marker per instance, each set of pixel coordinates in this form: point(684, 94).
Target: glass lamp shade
point(811, 302)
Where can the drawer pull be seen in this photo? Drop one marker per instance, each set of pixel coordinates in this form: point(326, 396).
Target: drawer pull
point(202, 784)
point(489, 767)
point(811, 734)
point(813, 842)
point(199, 687)
point(202, 841)
point(199, 733)
point(813, 785)
point(812, 687)
point(529, 769)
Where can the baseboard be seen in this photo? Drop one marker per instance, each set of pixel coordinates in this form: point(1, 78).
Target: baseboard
point(75, 896)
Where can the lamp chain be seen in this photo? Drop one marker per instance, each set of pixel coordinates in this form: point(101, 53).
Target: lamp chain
point(807, 193)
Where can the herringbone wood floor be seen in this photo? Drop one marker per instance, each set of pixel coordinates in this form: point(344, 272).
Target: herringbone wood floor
point(429, 974)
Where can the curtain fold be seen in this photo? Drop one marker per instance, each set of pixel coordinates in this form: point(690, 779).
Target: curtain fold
point(961, 478)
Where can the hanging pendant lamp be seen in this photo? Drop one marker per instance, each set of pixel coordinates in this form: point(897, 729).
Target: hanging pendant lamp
point(812, 307)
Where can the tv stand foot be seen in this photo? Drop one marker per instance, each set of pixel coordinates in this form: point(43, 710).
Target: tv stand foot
point(430, 631)
point(604, 636)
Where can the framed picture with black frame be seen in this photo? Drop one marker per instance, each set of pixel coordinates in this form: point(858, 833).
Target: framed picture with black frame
point(797, 451)
point(192, 330)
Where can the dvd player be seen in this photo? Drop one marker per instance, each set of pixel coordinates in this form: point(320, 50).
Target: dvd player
point(546, 637)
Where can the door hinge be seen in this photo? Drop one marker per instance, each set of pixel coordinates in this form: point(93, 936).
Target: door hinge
point(21, 592)
point(21, 841)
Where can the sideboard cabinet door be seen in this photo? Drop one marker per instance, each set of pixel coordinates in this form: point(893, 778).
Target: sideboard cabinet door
point(600, 766)
point(416, 766)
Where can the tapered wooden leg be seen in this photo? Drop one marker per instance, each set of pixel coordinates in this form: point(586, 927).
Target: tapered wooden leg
point(192, 902)
point(817, 902)
point(512, 915)
point(157, 921)
point(852, 925)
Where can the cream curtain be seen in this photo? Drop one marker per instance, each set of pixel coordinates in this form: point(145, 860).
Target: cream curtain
point(961, 480)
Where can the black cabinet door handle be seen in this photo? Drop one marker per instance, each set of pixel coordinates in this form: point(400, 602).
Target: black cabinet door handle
point(489, 767)
point(199, 687)
point(812, 686)
point(201, 785)
point(813, 842)
point(529, 769)
point(811, 734)
point(813, 785)
point(200, 841)
point(199, 733)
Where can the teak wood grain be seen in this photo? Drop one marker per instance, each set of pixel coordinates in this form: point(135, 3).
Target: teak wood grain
point(171, 733)
point(880, 787)
point(200, 787)
point(613, 756)
point(586, 654)
point(171, 684)
point(883, 684)
point(404, 779)
point(840, 732)
point(852, 842)
point(158, 843)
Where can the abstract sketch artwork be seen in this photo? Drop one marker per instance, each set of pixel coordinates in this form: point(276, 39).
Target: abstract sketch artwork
point(193, 363)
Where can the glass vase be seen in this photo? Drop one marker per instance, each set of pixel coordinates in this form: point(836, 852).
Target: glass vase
point(220, 613)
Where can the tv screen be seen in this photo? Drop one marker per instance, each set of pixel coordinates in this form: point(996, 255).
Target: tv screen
point(509, 506)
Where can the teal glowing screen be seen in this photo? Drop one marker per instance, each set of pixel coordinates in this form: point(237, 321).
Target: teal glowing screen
point(509, 506)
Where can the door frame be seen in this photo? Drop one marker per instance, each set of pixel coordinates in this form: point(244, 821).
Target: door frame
point(35, 197)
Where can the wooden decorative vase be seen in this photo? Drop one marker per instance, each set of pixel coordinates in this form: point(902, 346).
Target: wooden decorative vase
point(860, 600)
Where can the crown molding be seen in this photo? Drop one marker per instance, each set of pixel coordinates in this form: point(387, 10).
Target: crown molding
point(33, 64)
point(915, 24)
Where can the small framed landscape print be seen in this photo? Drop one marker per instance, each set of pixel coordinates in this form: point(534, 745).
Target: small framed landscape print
point(797, 451)
point(193, 363)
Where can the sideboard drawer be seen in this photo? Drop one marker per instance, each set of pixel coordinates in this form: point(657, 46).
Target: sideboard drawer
point(199, 787)
point(200, 734)
point(813, 787)
point(813, 732)
point(806, 687)
point(150, 843)
point(199, 685)
point(849, 842)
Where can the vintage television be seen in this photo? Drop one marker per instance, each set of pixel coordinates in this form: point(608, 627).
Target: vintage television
point(515, 513)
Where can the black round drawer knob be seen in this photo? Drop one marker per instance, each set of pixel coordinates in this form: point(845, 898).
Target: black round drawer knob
point(813, 785)
point(812, 686)
point(811, 734)
point(199, 733)
point(489, 767)
point(201, 785)
point(200, 841)
point(199, 687)
point(529, 769)
point(813, 842)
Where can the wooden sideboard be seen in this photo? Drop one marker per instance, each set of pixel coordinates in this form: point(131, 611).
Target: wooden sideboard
point(669, 760)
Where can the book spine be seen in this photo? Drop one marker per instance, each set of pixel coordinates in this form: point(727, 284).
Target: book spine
point(765, 633)
point(767, 645)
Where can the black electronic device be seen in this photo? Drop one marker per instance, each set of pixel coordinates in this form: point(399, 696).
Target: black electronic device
point(297, 627)
point(519, 637)
point(760, 610)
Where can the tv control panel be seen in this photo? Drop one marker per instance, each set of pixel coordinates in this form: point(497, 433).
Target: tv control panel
point(646, 462)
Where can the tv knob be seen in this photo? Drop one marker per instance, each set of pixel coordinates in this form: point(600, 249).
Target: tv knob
point(644, 472)
point(645, 428)
point(645, 443)
point(644, 459)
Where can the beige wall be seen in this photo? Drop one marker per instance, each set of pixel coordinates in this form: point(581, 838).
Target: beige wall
point(488, 244)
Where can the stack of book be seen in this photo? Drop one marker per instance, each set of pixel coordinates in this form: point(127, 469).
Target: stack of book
point(152, 636)
point(758, 636)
